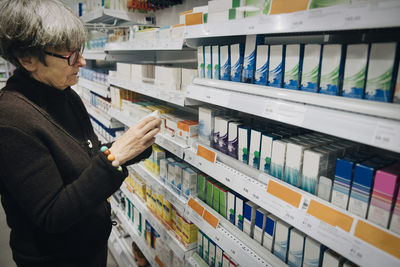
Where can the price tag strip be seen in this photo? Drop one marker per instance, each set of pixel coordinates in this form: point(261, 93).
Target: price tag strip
point(169, 144)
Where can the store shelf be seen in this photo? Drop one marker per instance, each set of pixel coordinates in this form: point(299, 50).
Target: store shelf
point(375, 15)
point(372, 123)
point(108, 16)
point(3, 79)
point(336, 228)
point(167, 142)
point(94, 55)
point(103, 117)
point(196, 261)
point(171, 96)
point(120, 249)
point(242, 248)
point(98, 88)
point(144, 45)
point(101, 138)
point(135, 235)
point(167, 235)
point(179, 202)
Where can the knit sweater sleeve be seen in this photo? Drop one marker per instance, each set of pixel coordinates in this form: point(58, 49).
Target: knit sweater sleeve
point(32, 179)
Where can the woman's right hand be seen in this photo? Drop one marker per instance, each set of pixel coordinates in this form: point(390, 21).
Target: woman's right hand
point(136, 139)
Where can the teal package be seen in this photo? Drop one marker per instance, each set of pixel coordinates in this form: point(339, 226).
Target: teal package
point(225, 62)
point(262, 63)
point(250, 54)
point(276, 65)
point(311, 70)
point(237, 54)
point(293, 66)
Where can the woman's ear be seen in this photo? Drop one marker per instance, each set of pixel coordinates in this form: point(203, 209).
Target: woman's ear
point(29, 63)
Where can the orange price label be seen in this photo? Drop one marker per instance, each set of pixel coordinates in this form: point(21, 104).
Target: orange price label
point(206, 154)
point(284, 193)
point(330, 215)
point(211, 219)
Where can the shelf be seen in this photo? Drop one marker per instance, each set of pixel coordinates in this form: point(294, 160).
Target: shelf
point(101, 138)
point(3, 79)
point(344, 17)
point(176, 200)
point(138, 238)
point(94, 55)
point(173, 146)
point(242, 248)
point(98, 88)
point(143, 45)
point(372, 123)
point(103, 117)
point(167, 235)
point(170, 96)
point(330, 225)
point(108, 16)
point(196, 261)
point(121, 250)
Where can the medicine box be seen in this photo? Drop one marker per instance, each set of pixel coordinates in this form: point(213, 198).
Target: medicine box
point(278, 158)
point(294, 163)
point(218, 256)
point(276, 65)
point(262, 60)
point(269, 232)
point(201, 186)
point(255, 146)
point(293, 65)
point(211, 256)
point(243, 144)
point(311, 68)
point(239, 212)
point(332, 259)
point(249, 61)
point(296, 248)
point(215, 62)
point(313, 252)
point(331, 67)
point(232, 149)
point(209, 193)
point(206, 124)
point(249, 214)
point(259, 225)
point(314, 165)
point(206, 252)
point(395, 221)
point(215, 201)
point(208, 61)
point(281, 242)
point(266, 152)
point(237, 54)
point(200, 61)
point(223, 200)
point(223, 128)
point(189, 182)
point(218, 123)
point(231, 209)
point(325, 188)
point(225, 62)
point(200, 243)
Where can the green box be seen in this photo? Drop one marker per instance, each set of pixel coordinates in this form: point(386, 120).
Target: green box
point(223, 201)
point(201, 185)
point(209, 193)
point(216, 198)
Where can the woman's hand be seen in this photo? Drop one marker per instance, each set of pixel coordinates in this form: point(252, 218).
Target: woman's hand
point(136, 139)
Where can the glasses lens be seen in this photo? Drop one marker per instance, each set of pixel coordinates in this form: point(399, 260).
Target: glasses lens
point(73, 58)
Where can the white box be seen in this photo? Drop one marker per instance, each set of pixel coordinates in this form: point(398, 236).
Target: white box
point(249, 216)
point(215, 62)
point(330, 69)
point(187, 77)
point(259, 225)
point(312, 252)
point(278, 158)
point(218, 256)
point(206, 124)
point(243, 144)
point(296, 248)
point(223, 133)
point(237, 51)
point(239, 212)
point(225, 62)
point(211, 253)
point(332, 259)
point(208, 62)
point(294, 163)
point(200, 61)
point(231, 207)
point(200, 243)
point(269, 232)
point(281, 240)
point(325, 188)
point(233, 139)
point(249, 59)
point(255, 146)
point(189, 182)
point(168, 77)
point(381, 64)
point(355, 70)
point(124, 71)
point(311, 68)
point(260, 76)
point(266, 152)
point(179, 174)
point(314, 165)
point(206, 246)
point(276, 62)
point(292, 66)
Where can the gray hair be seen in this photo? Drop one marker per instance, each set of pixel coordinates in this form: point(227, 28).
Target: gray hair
point(28, 27)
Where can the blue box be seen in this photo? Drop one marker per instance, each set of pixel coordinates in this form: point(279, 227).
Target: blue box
point(262, 63)
point(250, 54)
point(276, 65)
point(237, 55)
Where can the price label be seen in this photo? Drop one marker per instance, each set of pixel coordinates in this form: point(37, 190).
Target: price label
point(387, 135)
point(245, 190)
point(355, 253)
point(255, 196)
point(228, 180)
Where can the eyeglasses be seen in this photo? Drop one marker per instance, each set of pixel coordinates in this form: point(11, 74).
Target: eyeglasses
point(71, 57)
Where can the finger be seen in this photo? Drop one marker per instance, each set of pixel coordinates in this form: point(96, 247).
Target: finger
point(149, 142)
point(151, 134)
point(150, 126)
point(144, 121)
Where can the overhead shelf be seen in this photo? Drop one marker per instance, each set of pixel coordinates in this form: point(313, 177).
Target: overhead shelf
point(121, 250)
point(171, 96)
point(98, 88)
point(143, 45)
point(108, 16)
point(167, 235)
point(371, 15)
point(334, 227)
point(94, 55)
point(372, 123)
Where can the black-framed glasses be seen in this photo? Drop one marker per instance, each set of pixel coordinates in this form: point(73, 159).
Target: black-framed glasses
point(71, 57)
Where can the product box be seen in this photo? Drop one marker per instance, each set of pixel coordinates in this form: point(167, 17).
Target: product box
point(209, 193)
point(201, 186)
point(189, 232)
point(380, 71)
point(293, 66)
point(243, 144)
point(206, 124)
point(166, 213)
point(249, 212)
point(211, 256)
point(239, 211)
point(281, 240)
point(225, 62)
point(355, 71)
point(225, 260)
point(188, 129)
point(257, 7)
point(331, 67)
point(237, 54)
point(332, 259)
point(276, 65)
point(223, 200)
point(396, 97)
point(255, 146)
point(296, 248)
point(164, 169)
point(278, 158)
point(200, 61)
point(231, 209)
point(177, 182)
point(383, 195)
point(266, 152)
point(325, 188)
point(124, 71)
point(314, 165)
point(206, 246)
point(189, 182)
point(262, 60)
point(187, 77)
point(208, 61)
point(221, 5)
point(313, 252)
point(215, 201)
point(218, 122)
point(218, 256)
point(249, 61)
point(269, 232)
point(215, 62)
point(200, 243)
point(294, 163)
point(159, 201)
point(395, 221)
point(233, 139)
point(223, 126)
point(168, 77)
point(259, 225)
point(311, 68)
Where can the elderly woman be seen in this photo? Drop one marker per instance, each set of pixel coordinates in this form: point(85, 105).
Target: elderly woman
point(55, 176)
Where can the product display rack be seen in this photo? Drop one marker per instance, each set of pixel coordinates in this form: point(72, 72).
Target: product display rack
point(94, 54)
point(98, 88)
point(120, 249)
point(196, 261)
point(102, 116)
point(108, 16)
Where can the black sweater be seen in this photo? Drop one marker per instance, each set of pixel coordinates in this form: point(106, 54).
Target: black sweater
point(53, 184)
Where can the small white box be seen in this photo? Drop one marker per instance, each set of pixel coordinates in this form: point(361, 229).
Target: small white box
point(332, 259)
point(315, 164)
point(200, 243)
point(278, 158)
point(233, 139)
point(260, 76)
point(124, 71)
point(249, 216)
point(206, 124)
point(259, 225)
point(249, 59)
point(325, 188)
point(187, 77)
point(211, 253)
point(312, 252)
point(200, 61)
point(208, 62)
point(294, 163)
point(206, 247)
point(330, 69)
point(281, 240)
point(225, 62)
point(269, 232)
point(218, 256)
point(292, 66)
point(231, 207)
point(296, 248)
point(215, 62)
point(239, 212)
point(255, 146)
point(243, 144)
point(237, 51)
point(276, 62)
point(311, 68)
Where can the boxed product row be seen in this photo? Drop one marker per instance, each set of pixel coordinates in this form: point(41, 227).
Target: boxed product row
point(367, 71)
point(166, 77)
point(290, 245)
point(99, 102)
point(99, 76)
point(161, 208)
point(211, 253)
point(109, 134)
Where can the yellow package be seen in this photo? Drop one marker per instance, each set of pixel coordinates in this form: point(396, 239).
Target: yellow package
point(179, 224)
point(154, 197)
point(160, 205)
point(167, 213)
point(173, 218)
point(189, 232)
point(148, 196)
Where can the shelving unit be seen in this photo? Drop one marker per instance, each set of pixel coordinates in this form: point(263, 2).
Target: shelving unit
point(98, 88)
point(196, 261)
point(103, 117)
point(120, 248)
point(367, 122)
point(108, 16)
point(94, 55)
